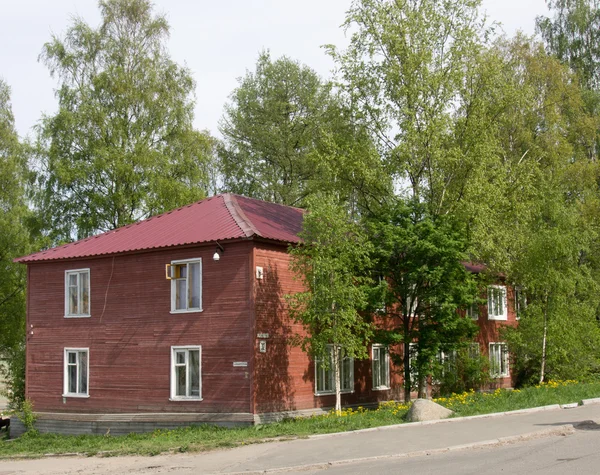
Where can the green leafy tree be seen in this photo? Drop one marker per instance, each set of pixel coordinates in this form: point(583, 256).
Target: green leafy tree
point(405, 70)
point(573, 36)
point(14, 242)
point(424, 285)
point(287, 135)
point(121, 146)
point(331, 261)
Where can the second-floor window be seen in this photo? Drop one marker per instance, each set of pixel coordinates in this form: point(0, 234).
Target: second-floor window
point(186, 286)
point(497, 302)
point(77, 293)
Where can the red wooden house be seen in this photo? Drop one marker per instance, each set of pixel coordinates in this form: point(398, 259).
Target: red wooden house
point(181, 319)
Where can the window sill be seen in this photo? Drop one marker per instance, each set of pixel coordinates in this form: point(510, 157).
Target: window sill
point(501, 318)
point(76, 395)
point(381, 388)
point(184, 399)
point(330, 393)
point(195, 310)
point(79, 316)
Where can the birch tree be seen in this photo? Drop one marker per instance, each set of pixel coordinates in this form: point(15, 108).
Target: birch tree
point(121, 146)
point(331, 261)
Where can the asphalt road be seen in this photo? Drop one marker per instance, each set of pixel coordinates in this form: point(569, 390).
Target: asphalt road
point(575, 454)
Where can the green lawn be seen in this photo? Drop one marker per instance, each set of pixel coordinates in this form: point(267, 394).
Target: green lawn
point(201, 438)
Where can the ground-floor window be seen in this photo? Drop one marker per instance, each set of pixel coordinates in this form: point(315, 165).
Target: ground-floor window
point(185, 372)
point(498, 360)
point(381, 367)
point(325, 373)
point(76, 373)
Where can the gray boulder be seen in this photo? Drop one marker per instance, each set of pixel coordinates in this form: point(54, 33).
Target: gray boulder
point(426, 410)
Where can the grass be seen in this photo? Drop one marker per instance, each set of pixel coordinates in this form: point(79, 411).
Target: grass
point(202, 438)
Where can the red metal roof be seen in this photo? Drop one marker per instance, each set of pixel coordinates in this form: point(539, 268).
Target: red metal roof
point(218, 218)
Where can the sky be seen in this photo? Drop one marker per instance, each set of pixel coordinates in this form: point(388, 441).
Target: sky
point(218, 40)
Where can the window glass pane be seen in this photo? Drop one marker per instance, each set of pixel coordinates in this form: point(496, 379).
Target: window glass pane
point(73, 301)
point(83, 371)
point(346, 376)
point(180, 292)
point(194, 285)
point(194, 362)
point(72, 280)
point(72, 379)
point(180, 377)
point(72, 357)
point(180, 357)
point(85, 293)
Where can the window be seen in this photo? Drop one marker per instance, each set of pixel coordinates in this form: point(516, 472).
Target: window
point(324, 374)
point(186, 286)
point(76, 377)
point(473, 311)
point(185, 373)
point(498, 360)
point(77, 293)
point(381, 367)
point(497, 302)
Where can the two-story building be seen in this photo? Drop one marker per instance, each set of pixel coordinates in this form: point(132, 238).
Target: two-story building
point(181, 319)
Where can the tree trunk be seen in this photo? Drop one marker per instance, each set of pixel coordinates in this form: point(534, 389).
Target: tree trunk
point(336, 375)
point(544, 338)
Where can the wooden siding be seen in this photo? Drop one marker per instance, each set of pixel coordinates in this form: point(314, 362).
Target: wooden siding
point(131, 331)
point(284, 375)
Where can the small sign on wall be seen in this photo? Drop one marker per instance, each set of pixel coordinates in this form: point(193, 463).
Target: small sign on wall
point(240, 364)
point(262, 335)
point(262, 346)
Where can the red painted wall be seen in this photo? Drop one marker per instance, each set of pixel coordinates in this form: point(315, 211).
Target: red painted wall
point(131, 331)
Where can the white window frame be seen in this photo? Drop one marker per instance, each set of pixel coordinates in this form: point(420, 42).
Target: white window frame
point(78, 273)
point(499, 349)
point(328, 374)
point(78, 351)
point(187, 349)
point(174, 281)
point(493, 313)
point(377, 362)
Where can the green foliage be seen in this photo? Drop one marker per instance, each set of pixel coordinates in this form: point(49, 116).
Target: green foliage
point(13, 373)
point(27, 416)
point(14, 242)
point(287, 135)
point(463, 371)
point(573, 36)
point(330, 262)
point(421, 257)
point(405, 71)
point(502, 400)
point(121, 146)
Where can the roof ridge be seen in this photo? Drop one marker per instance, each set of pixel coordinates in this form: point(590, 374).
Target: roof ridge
point(238, 215)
